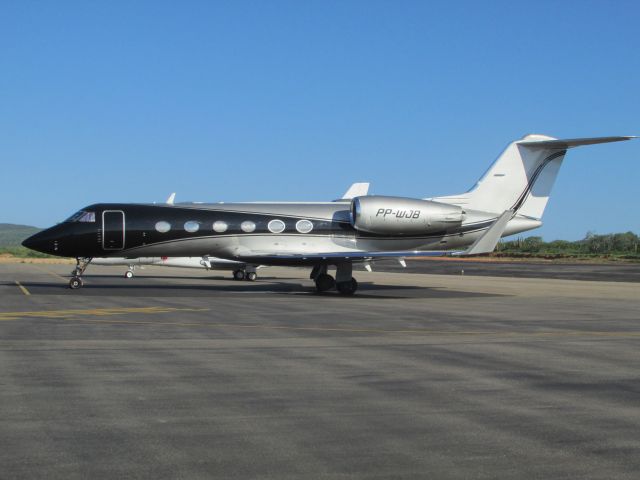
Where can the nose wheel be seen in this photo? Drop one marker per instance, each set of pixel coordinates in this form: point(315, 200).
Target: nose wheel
point(76, 279)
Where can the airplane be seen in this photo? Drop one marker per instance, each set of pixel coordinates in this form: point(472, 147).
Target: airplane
point(241, 271)
point(509, 198)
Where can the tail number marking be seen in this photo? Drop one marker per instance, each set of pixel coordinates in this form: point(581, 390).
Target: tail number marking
point(398, 213)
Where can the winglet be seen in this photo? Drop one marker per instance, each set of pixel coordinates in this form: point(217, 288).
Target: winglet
point(171, 198)
point(487, 242)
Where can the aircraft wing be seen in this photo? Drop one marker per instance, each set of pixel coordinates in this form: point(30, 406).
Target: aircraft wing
point(484, 244)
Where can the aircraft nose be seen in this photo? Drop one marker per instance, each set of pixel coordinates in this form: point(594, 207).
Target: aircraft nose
point(40, 242)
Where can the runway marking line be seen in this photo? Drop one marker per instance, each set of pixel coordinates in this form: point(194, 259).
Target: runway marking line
point(23, 288)
point(99, 312)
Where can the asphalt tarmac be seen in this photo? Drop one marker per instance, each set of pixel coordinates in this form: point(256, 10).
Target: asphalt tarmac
point(183, 374)
point(607, 272)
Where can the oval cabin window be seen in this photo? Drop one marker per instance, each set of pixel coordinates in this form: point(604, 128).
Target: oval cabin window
point(248, 226)
point(192, 226)
point(304, 226)
point(220, 226)
point(163, 227)
point(276, 226)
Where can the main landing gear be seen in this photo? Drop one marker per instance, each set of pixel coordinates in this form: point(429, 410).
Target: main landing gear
point(81, 266)
point(248, 274)
point(344, 282)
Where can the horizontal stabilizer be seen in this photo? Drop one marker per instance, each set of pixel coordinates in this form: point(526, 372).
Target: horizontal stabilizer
point(572, 142)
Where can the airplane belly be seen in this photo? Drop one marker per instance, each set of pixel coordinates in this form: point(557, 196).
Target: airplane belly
point(279, 244)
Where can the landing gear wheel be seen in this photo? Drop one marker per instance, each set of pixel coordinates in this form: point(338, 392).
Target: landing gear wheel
point(347, 288)
point(251, 276)
point(81, 265)
point(238, 274)
point(128, 274)
point(324, 282)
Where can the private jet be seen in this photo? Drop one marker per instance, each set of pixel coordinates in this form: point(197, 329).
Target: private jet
point(510, 198)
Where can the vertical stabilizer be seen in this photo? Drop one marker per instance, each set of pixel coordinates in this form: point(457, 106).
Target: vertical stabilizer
point(522, 177)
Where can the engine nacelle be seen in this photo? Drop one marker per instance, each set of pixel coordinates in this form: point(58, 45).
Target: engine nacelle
point(403, 216)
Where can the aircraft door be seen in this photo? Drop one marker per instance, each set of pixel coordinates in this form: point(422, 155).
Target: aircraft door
point(113, 230)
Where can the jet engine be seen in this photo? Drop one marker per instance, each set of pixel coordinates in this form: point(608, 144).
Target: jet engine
point(403, 216)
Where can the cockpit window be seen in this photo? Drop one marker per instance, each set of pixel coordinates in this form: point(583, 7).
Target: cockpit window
point(82, 216)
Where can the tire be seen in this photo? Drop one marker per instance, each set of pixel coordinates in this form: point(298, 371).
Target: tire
point(238, 275)
point(75, 283)
point(348, 288)
point(325, 282)
point(251, 276)
point(128, 274)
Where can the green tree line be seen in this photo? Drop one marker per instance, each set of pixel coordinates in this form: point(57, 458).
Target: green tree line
point(615, 244)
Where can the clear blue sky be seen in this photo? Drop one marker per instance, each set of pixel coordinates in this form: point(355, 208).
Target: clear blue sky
point(267, 100)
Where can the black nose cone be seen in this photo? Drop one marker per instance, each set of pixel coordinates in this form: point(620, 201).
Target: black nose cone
point(40, 242)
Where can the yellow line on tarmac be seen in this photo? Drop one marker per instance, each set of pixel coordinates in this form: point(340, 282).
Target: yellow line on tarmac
point(23, 288)
point(98, 312)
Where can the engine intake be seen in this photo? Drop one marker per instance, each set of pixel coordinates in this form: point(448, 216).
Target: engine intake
point(403, 216)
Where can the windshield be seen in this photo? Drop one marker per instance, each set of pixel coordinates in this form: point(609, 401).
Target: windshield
point(82, 216)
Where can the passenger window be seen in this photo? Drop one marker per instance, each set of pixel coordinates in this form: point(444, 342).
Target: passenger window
point(276, 226)
point(192, 226)
point(163, 227)
point(220, 226)
point(248, 226)
point(304, 226)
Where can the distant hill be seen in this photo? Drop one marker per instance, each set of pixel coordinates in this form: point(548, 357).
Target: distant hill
point(12, 235)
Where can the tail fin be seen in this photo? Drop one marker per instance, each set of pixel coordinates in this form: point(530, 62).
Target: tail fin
point(522, 177)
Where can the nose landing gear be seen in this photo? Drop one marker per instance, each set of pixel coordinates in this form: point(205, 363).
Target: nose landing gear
point(81, 265)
